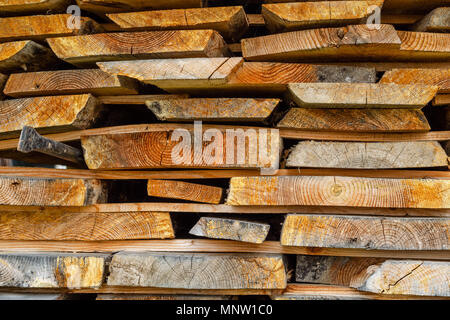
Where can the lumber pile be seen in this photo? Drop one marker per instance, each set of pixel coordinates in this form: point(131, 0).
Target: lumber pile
point(189, 150)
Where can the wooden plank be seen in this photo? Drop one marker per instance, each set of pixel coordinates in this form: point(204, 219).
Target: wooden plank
point(138, 99)
point(213, 109)
point(369, 120)
point(361, 95)
point(25, 55)
point(198, 271)
point(184, 190)
point(51, 192)
point(52, 270)
point(108, 6)
point(340, 191)
point(383, 66)
point(441, 100)
point(48, 114)
point(410, 277)
point(437, 20)
point(231, 22)
point(33, 296)
point(85, 50)
point(22, 7)
point(360, 155)
point(281, 17)
point(40, 27)
point(85, 226)
point(436, 77)
point(3, 79)
point(60, 82)
point(255, 20)
point(158, 297)
point(238, 230)
point(366, 232)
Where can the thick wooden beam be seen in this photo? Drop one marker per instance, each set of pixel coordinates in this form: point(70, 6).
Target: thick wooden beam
point(437, 20)
point(238, 230)
point(361, 95)
point(55, 270)
point(198, 271)
point(410, 277)
point(366, 232)
point(25, 55)
point(184, 190)
point(369, 120)
point(85, 50)
point(340, 191)
point(41, 27)
point(51, 192)
point(213, 109)
point(231, 22)
point(281, 17)
point(108, 6)
point(360, 155)
point(60, 82)
point(22, 7)
point(232, 74)
point(435, 77)
point(48, 114)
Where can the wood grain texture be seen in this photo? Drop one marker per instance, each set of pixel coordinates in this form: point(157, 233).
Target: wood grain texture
point(22, 7)
point(408, 277)
point(423, 46)
point(375, 155)
point(213, 109)
point(280, 17)
point(51, 192)
point(231, 22)
point(88, 49)
point(340, 191)
point(40, 27)
point(435, 77)
point(52, 270)
point(138, 99)
point(198, 271)
point(48, 114)
point(219, 228)
point(108, 6)
point(437, 20)
point(85, 226)
point(355, 120)
point(366, 232)
point(59, 82)
point(25, 55)
point(184, 190)
point(361, 95)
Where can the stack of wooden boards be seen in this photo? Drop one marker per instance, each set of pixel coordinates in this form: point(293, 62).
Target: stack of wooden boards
point(358, 209)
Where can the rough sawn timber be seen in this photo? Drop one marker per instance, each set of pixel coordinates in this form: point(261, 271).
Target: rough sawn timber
point(435, 77)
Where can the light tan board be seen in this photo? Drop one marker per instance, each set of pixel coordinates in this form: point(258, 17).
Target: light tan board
point(355, 120)
point(52, 270)
point(340, 191)
point(437, 20)
point(198, 271)
point(435, 77)
point(95, 226)
point(108, 6)
point(184, 190)
point(361, 95)
point(326, 231)
point(88, 49)
point(23, 7)
point(51, 192)
point(92, 81)
point(48, 114)
point(219, 228)
point(372, 155)
point(25, 56)
point(230, 22)
point(213, 109)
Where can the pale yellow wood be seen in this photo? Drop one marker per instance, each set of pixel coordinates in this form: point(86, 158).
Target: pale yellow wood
point(22, 7)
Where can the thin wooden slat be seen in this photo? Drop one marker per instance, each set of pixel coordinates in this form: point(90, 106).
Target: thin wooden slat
point(138, 99)
point(437, 20)
point(436, 77)
point(85, 50)
point(366, 232)
point(374, 155)
point(368, 120)
point(51, 192)
point(158, 297)
point(68, 82)
point(3, 79)
point(441, 100)
point(22, 7)
point(198, 271)
point(40, 27)
point(108, 6)
point(340, 191)
point(33, 296)
point(85, 226)
point(230, 22)
point(361, 95)
point(184, 190)
point(48, 114)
